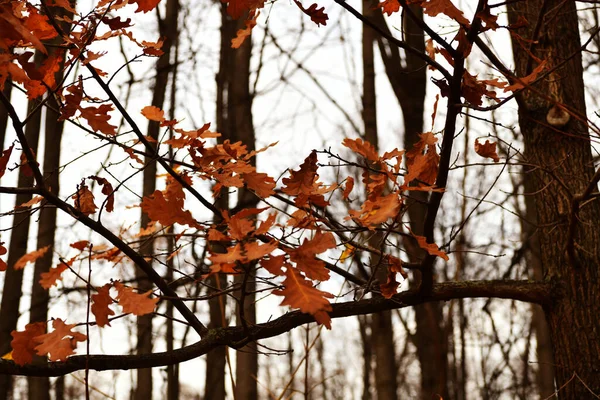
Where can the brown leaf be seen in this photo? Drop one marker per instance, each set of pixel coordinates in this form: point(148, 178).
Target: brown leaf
point(23, 343)
point(300, 293)
point(134, 303)
point(488, 150)
point(84, 200)
point(60, 343)
point(100, 307)
point(317, 15)
point(30, 257)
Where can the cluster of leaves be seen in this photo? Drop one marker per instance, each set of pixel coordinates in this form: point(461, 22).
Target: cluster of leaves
point(236, 242)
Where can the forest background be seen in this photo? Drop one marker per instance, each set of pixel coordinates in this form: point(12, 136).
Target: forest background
point(306, 80)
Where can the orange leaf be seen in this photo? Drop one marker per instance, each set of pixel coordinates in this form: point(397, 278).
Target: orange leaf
point(389, 6)
point(300, 293)
point(305, 255)
point(145, 5)
point(348, 188)
point(30, 257)
point(100, 306)
point(362, 147)
point(303, 180)
point(167, 212)
point(97, 118)
point(488, 150)
point(107, 190)
point(4, 159)
point(84, 200)
point(259, 183)
point(522, 82)
point(60, 343)
point(430, 248)
point(273, 264)
point(23, 343)
point(134, 303)
point(435, 7)
point(33, 201)
point(376, 211)
point(81, 245)
point(242, 34)
point(153, 113)
point(49, 279)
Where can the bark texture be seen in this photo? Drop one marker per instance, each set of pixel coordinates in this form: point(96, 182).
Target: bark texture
point(569, 235)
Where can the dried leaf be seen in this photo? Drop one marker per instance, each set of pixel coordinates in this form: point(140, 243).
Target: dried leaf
point(300, 293)
point(30, 257)
point(84, 200)
point(134, 303)
point(23, 343)
point(488, 150)
point(60, 343)
point(100, 306)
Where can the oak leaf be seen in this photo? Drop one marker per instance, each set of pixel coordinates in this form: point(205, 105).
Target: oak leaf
point(60, 343)
point(30, 257)
point(520, 83)
point(135, 303)
point(49, 279)
point(97, 118)
point(299, 293)
point(84, 200)
point(23, 343)
point(488, 150)
point(348, 187)
point(100, 306)
point(145, 5)
point(389, 6)
point(376, 211)
point(107, 190)
point(362, 147)
point(317, 15)
point(305, 255)
point(430, 248)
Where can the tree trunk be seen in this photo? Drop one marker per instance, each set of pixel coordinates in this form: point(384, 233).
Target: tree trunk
point(382, 332)
point(13, 279)
point(409, 84)
point(168, 30)
point(545, 360)
point(560, 147)
point(4, 113)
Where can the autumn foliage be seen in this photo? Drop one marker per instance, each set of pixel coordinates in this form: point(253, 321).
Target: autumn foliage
point(298, 250)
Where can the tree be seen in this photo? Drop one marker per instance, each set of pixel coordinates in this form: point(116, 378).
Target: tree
point(288, 254)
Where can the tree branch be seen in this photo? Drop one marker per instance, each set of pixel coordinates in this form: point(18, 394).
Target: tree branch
point(532, 292)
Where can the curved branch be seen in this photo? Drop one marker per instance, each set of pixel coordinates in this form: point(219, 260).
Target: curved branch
point(532, 292)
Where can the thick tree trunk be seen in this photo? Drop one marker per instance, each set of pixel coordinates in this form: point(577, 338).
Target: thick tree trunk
point(39, 387)
point(545, 360)
point(13, 279)
point(569, 244)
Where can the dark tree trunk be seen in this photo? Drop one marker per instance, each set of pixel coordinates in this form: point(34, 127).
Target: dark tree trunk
point(168, 30)
point(382, 331)
point(408, 84)
point(569, 245)
point(13, 279)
